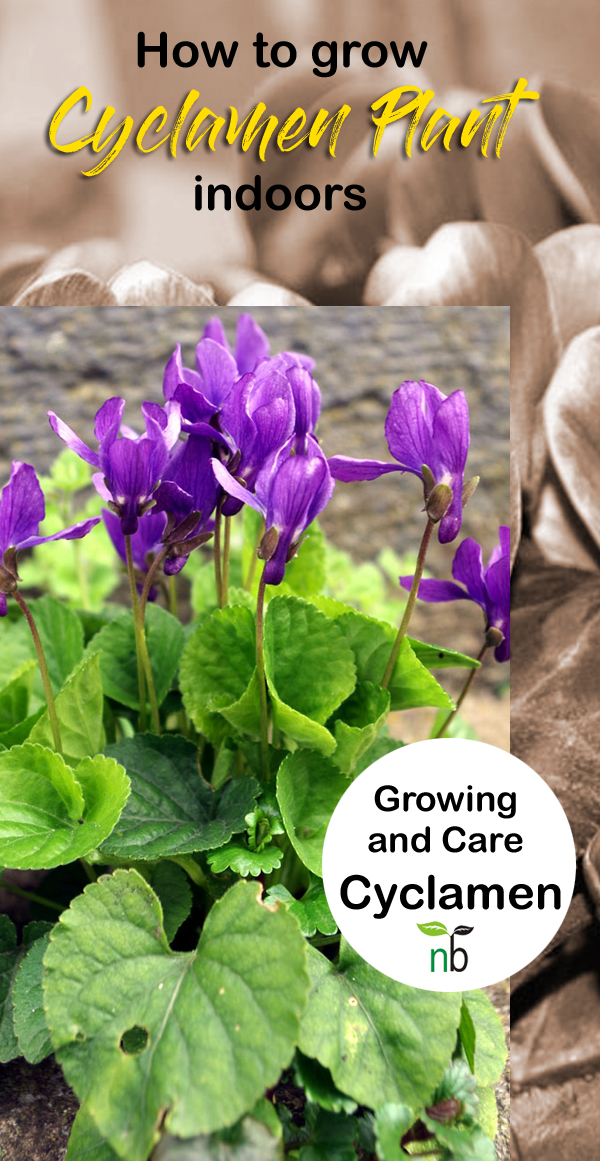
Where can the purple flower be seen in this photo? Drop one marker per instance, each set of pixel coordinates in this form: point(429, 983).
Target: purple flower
point(305, 392)
point(291, 490)
point(428, 434)
point(257, 419)
point(202, 392)
point(22, 509)
point(130, 466)
point(188, 493)
point(487, 587)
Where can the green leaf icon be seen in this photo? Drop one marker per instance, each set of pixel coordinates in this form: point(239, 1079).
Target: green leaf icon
point(434, 928)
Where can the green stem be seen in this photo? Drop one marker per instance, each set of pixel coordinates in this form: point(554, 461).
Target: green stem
point(31, 895)
point(410, 604)
point(89, 870)
point(141, 647)
point(254, 557)
point(43, 670)
point(217, 554)
point(465, 689)
point(195, 872)
point(262, 685)
point(81, 574)
point(154, 567)
point(226, 551)
point(173, 605)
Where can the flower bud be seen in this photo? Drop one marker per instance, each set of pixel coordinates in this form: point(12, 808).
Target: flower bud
point(439, 502)
point(468, 489)
point(268, 544)
point(428, 480)
point(493, 637)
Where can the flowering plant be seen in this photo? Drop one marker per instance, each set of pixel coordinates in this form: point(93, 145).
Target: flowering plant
point(185, 775)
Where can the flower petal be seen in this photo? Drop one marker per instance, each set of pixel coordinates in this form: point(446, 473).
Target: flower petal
point(436, 591)
point(74, 532)
point(73, 441)
point(252, 344)
point(22, 506)
point(349, 470)
point(108, 419)
point(409, 424)
point(232, 487)
point(214, 330)
point(467, 567)
point(218, 369)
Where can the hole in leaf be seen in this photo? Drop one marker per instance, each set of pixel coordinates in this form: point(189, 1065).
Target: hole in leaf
point(134, 1040)
point(79, 1036)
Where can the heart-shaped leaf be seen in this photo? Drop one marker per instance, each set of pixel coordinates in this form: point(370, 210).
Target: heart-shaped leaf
point(51, 814)
point(147, 1036)
point(118, 665)
point(381, 1041)
point(11, 956)
point(309, 787)
point(371, 641)
point(171, 809)
point(309, 668)
point(14, 697)
point(28, 1005)
point(216, 675)
point(357, 722)
point(79, 709)
point(490, 1045)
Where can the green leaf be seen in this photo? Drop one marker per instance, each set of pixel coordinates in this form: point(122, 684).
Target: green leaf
point(309, 788)
point(381, 1041)
point(79, 708)
point(86, 1143)
point(411, 685)
point(382, 745)
point(462, 1143)
point(239, 858)
point(28, 1005)
point(305, 574)
point(487, 1110)
point(312, 910)
point(216, 675)
point(62, 638)
point(20, 732)
point(357, 723)
point(308, 664)
point(51, 814)
point(490, 1045)
point(437, 657)
point(318, 1085)
point(10, 960)
point(172, 886)
point(250, 1140)
point(118, 665)
point(466, 1031)
point(14, 697)
point(392, 1121)
point(220, 1022)
point(171, 809)
point(10, 956)
point(433, 928)
point(332, 1138)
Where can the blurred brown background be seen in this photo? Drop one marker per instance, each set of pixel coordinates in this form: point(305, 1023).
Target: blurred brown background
point(145, 203)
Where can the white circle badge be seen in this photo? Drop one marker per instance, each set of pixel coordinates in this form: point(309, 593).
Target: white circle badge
point(449, 864)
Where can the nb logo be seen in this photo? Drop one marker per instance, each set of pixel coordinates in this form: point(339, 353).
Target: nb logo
point(458, 957)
